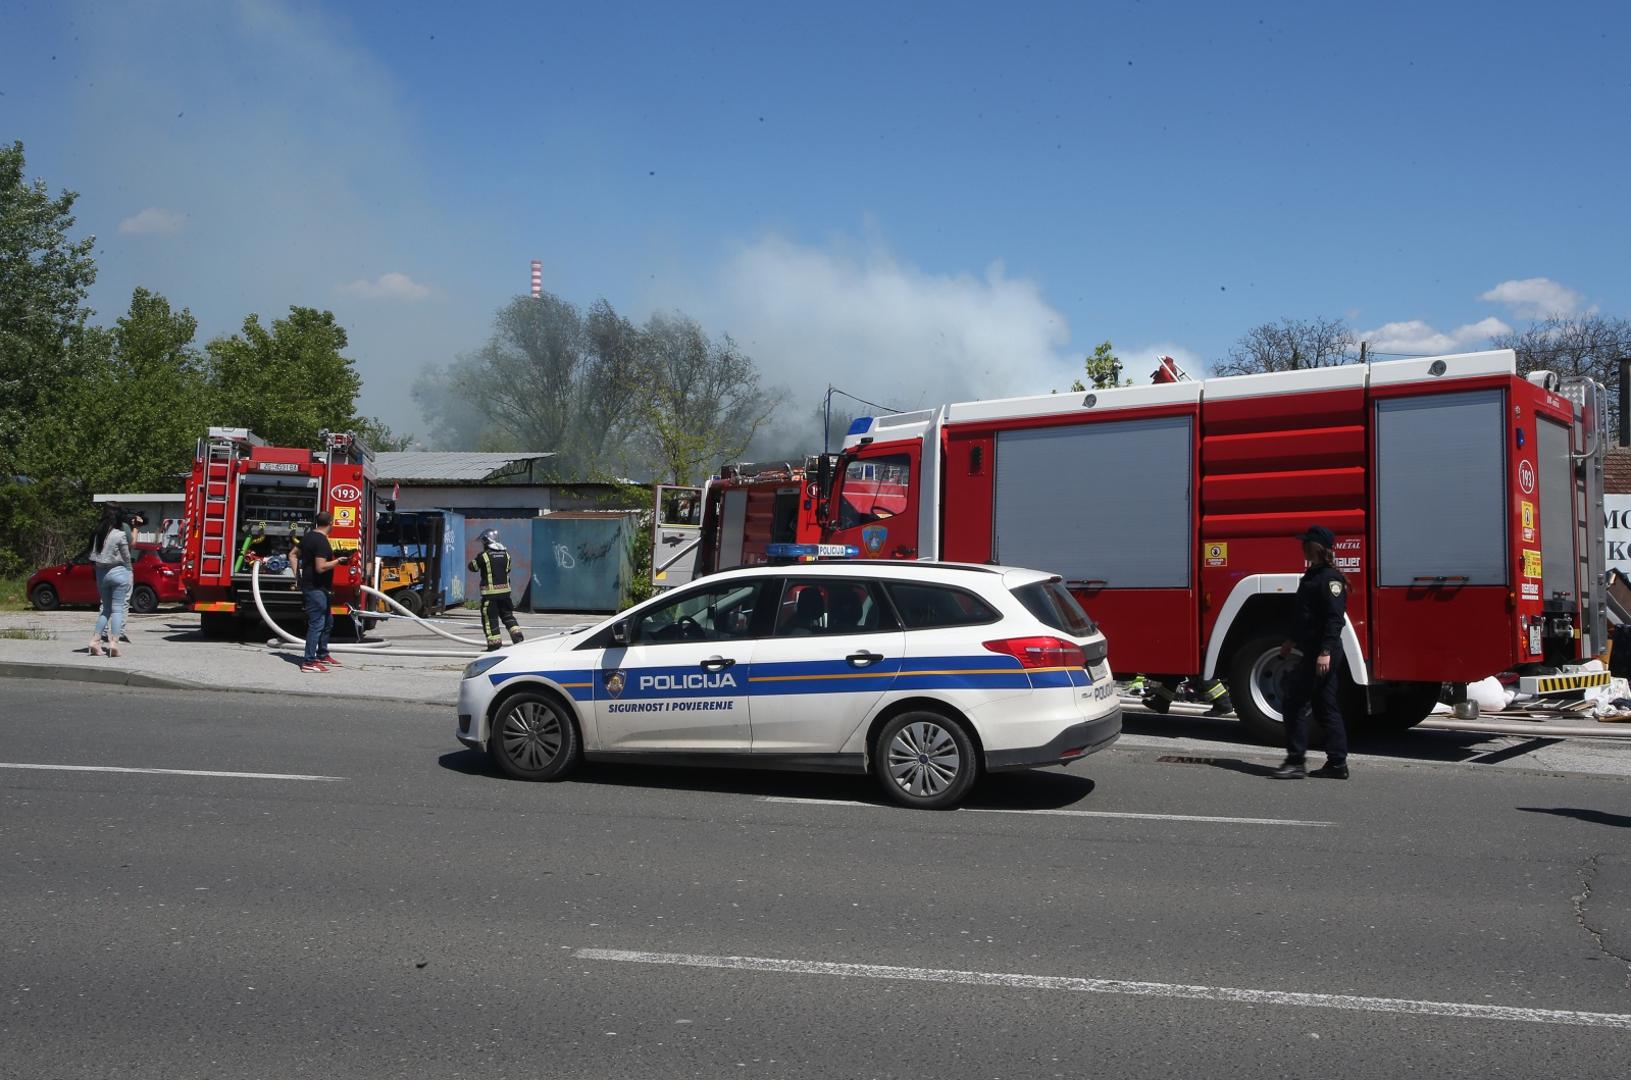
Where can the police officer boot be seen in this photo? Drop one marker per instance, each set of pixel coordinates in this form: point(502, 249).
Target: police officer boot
point(1332, 771)
point(1291, 769)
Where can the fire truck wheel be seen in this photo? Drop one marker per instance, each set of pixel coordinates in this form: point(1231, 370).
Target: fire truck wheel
point(925, 760)
point(45, 598)
point(143, 600)
point(1255, 672)
point(534, 737)
point(1408, 704)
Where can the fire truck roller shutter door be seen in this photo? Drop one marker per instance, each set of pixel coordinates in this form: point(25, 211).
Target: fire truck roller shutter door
point(1557, 531)
point(1117, 508)
point(1441, 489)
point(732, 524)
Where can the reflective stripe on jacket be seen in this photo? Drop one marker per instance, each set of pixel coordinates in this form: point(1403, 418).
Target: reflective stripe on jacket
point(494, 568)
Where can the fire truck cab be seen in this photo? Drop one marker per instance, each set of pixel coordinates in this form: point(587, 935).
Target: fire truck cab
point(250, 503)
point(1466, 501)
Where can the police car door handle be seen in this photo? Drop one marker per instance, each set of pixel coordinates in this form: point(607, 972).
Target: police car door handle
point(863, 659)
point(717, 663)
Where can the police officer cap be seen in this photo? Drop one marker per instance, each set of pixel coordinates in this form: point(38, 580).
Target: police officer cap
point(1320, 535)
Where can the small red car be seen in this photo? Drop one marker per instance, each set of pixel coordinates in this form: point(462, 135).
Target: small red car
point(157, 581)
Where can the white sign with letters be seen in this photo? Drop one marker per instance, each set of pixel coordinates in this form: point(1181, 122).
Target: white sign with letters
point(1617, 531)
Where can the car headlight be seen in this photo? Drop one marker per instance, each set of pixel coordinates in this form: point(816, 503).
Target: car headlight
point(485, 663)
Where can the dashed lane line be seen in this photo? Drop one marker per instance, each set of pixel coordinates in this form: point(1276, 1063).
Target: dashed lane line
point(168, 772)
point(1077, 813)
point(1172, 991)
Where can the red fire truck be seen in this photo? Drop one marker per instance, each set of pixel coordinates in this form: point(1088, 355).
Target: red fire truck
point(747, 508)
point(249, 502)
point(1466, 501)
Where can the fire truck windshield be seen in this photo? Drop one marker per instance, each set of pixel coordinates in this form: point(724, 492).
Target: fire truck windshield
point(873, 489)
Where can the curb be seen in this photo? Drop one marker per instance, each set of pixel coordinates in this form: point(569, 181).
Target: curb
point(18, 669)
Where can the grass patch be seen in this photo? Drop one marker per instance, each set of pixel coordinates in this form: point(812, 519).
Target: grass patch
point(14, 634)
point(12, 596)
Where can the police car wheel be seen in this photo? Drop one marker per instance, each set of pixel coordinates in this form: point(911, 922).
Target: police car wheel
point(925, 760)
point(533, 738)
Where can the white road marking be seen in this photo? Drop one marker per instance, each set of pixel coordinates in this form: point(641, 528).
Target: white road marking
point(1079, 813)
point(169, 772)
point(1405, 1006)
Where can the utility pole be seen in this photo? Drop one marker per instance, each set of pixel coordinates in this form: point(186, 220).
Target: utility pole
point(1364, 352)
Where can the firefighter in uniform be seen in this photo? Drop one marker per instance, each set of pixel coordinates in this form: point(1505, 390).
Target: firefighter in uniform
point(493, 564)
point(1322, 604)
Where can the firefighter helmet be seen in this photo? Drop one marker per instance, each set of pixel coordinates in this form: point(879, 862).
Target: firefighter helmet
point(489, 540)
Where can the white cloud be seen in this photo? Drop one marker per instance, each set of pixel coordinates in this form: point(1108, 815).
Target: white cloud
point(877, 327)
point(1417, 337)
point(154, 221)
point(1534, 298)
point(390, 286)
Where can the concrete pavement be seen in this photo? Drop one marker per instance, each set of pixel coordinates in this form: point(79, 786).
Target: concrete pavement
point(167, 650)
point(412, 914)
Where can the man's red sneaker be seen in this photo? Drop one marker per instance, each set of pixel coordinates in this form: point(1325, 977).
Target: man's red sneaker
point(313, 668)
point(329, 660)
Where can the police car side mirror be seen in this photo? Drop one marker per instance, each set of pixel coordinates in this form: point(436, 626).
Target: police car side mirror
point(620, 633)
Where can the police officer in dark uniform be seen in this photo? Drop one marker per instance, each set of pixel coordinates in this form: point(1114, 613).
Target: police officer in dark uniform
point(493, 564)
point(1322, 603)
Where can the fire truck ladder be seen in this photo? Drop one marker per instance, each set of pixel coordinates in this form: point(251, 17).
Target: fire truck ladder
point(219, 454)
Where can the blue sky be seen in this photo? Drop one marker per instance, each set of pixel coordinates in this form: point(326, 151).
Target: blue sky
point(915, 202)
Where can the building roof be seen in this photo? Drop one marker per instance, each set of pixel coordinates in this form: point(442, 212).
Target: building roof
point(1617, 471)
point(454, 466)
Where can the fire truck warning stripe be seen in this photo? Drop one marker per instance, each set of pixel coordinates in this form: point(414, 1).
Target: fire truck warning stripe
point(1453, 1010)
point(1554, 684)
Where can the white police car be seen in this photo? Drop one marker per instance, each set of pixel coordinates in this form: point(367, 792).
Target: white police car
point(925, 673)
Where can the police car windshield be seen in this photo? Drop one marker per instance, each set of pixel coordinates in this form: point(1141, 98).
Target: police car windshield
point(706, 615)
point(1054, 606)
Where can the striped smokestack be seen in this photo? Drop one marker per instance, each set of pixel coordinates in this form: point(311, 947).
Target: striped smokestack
point(537, 278)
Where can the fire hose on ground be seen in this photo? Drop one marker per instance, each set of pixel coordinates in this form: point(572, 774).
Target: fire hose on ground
point(374, 648)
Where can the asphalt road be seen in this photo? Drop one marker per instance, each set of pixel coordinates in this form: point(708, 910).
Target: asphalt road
point(380, 904)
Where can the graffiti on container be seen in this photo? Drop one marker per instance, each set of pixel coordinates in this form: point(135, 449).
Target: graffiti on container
point(567, 559)
point(594, 554)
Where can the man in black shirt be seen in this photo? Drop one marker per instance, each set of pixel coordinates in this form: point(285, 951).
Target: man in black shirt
point(314, 563)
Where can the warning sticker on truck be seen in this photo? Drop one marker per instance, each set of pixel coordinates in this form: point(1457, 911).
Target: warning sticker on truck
point(1531, 563)
point(1217, 554)
point(1528, 510)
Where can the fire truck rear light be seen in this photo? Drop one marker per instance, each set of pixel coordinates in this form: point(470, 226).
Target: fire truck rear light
point(1040, 652)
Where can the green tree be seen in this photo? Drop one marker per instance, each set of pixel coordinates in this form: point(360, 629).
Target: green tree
point(44, 340)
point(128, 422)
point(288, 383)
point(706, 402)
point(377, 435)
point(1103, 370)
